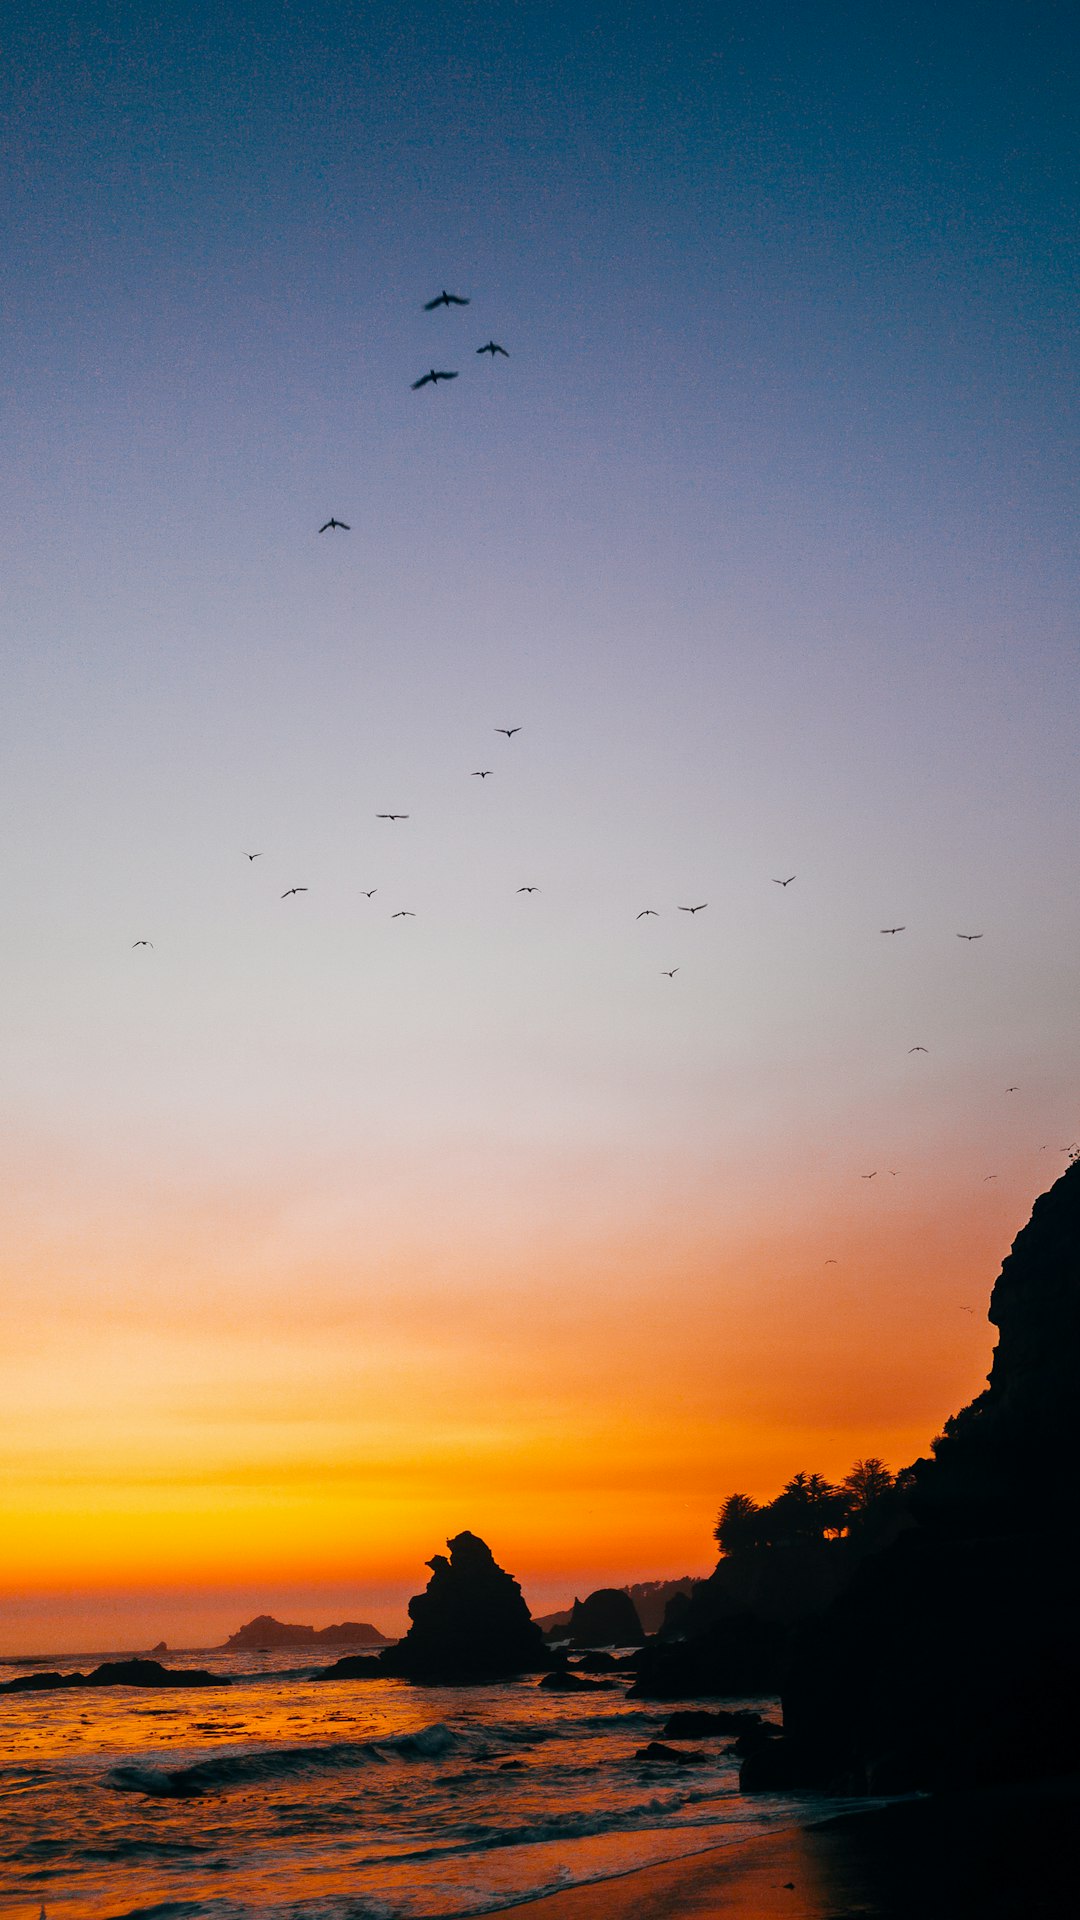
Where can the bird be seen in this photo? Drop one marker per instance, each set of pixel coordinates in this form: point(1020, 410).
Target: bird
point(869, 1176)
point(253, 856)
point(528, 889)
point(141, 943)
point(368, 891)
point(784, 883)
point(700, 909)
point(430, 379)
point(493, 348)
point(989, 1176)
point(918, 1049)
point(343, 524)
point(445, 299)
point(967, 1309)
point(509, 731)
point(831, 1263)
point(1012, 1089)
point(969, 936)
point(481, 773)
point(647, 913)
point(669, 972)
point(893, 929)
point(391, 816)
point(403, 913)
point(290, 890)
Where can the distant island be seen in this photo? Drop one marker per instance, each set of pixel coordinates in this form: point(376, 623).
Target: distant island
point(264, 1632)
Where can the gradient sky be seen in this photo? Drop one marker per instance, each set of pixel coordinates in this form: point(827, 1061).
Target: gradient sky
point(326, 1234)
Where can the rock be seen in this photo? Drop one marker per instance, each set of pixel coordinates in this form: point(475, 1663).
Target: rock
point(597, 1661)
point(606, 1618)
point(265, 1632)
point(737, 1655)
point(573, 1683)
point(162, 1647)
point(952, 1659)
point(659, 1755)
point(692, 1725)
point(470, 1626)
point(354, 1666)
point(117, 1673)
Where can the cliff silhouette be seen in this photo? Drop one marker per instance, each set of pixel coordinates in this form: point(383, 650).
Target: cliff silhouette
point(470, 1625)
point(264, 1632)
point(951, 1658)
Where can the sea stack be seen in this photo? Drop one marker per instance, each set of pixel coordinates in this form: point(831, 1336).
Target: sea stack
point(471, 1625)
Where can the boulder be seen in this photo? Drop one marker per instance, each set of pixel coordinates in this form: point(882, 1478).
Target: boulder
point(696, 1725)
point(564, 1682)
point(354, 1666)
point(658, 1755)
point(606, 1618)
point(470, 1626)
point(117, 1673)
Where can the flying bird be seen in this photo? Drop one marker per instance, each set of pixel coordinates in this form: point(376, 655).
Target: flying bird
point(918, 1049)
point(647, 913)
point(444, 299)
point(368, 891)
point(509, 731)
point(784, 883)
point(429, 379)
point(831, 1263)
point(669, 972)
point(893, 929)
point(969, 936)
point(403, 913)
point(700, 909)
point(343, 524)
point(481, 773)
point(869, 1176)
point(1012, 1089)
point(391, 816)
point(141, 943)
point(528, 889)
point(253, 856)
point(493, 348)
point(290, 890)
point(989, 1176)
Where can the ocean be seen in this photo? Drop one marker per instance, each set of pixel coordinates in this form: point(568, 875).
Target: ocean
point(282, 1798)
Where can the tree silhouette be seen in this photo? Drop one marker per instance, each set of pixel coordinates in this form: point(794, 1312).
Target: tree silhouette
point(737, 1523)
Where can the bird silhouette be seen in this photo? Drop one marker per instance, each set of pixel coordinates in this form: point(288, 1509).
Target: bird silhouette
point(493, 348)
point(669, 972)
point(391, 816)
point(528, 889)
point(368, 891)
point(893, 929)
point(290, 890)
point(918, 1049)
point(869, 1176)
point(403, 913)
point(141, 943)
point(343, 524)
point(430, 379)
point(509, 731)
point(481, 773)
point(989, 1176)
point(831, 1263)
point(700, 909)
point(647, 913)
point(784, 883)
point(253, 856)
point(445, 299)
point(969, 936)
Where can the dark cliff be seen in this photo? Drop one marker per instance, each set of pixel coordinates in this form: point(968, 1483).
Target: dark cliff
point(470, 1625)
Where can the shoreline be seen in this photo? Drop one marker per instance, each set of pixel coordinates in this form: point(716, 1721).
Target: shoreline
point(992, 1854)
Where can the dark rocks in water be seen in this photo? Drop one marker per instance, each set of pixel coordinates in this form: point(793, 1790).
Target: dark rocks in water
point(117, 1673)
point(162, 1647)
point(695, 1725)
point(606, 1618)
point(265, 1632)
point(659, 1755)
point(598, 1661)
point(739, 1655)
point(470, 1626)
point(354, 1666)
point(952, 1660)
point(564, 1682)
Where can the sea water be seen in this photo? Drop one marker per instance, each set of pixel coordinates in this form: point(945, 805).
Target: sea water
point(279, 1797)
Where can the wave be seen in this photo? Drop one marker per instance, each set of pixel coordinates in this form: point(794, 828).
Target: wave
point(279, 1763)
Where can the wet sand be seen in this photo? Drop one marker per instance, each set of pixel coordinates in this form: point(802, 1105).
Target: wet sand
point(1008, 1854)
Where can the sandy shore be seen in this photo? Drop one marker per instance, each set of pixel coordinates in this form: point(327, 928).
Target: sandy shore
point(998, 1855)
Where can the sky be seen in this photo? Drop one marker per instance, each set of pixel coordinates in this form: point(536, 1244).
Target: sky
point(327, 1233)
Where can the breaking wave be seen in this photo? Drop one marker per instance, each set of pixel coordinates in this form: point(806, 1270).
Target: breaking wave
point(279, 1763)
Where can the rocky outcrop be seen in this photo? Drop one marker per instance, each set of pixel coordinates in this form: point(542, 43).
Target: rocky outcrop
point(471, 1624)
point(606, 1618)
point(354, 1666)
point(117, 1673)
point(952, 1658)
point(264, 1633)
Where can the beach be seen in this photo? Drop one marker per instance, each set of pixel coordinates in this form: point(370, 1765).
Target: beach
point(1005, 1854)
